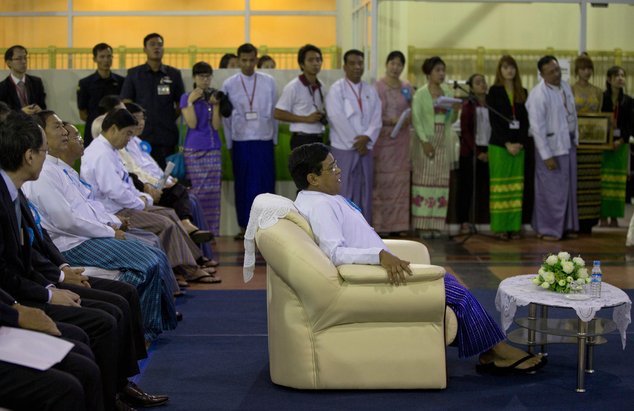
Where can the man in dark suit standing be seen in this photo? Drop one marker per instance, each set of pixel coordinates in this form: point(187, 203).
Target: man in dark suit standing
point(21, 91)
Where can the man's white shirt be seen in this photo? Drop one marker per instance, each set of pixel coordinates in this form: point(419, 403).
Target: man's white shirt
point(346, 117)
point(297, 99)
point(241, 89)
point(65, 206)
point(144, 160)
point(102, 168)
point(340, 229)
point(548, 116)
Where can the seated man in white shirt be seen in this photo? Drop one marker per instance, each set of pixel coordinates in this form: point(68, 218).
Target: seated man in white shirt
point(87, 236)
point(346, 238)
point(103, 169)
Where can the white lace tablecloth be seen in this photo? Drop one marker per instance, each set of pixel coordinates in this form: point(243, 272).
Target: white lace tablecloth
point(520, 291)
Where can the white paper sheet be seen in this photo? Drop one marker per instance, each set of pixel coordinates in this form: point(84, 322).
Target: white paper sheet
point(168, 170)
point(32, 349)
point(400, 122)
point(446, 102)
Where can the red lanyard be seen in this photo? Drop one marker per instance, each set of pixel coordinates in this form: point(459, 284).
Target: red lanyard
point(22, 96)
point(616, 113)
point(255, 83)
point(564, 95)
point(358, 96)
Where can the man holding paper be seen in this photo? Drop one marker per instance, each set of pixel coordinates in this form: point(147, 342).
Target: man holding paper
point(72, 384)
point(355, 119)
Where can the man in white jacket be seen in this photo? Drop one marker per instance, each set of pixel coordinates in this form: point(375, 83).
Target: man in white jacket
point(354, 112)
point(553, 123)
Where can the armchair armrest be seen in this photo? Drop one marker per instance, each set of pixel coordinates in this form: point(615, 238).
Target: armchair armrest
point(375, 274)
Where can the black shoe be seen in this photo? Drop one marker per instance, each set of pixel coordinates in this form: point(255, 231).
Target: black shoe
point(135, 397)
point(122, 406)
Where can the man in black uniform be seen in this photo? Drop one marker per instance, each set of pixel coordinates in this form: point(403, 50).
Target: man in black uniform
point(93, 88)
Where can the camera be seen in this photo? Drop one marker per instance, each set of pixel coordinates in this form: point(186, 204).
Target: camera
point(218, 94)
point(324, 119)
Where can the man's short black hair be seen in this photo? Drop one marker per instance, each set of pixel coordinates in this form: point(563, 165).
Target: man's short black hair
point(247, 48)
point(120, 118)
point(4, 108)
point(304, 160)
point(352, 52)
point(134, 108)
point(99, 47)
point(151, 36)
point(301, 55)
point(224, 61)
point(8, 55)
point(545, 60)
point(19, 132)
point(41, 117)
point(108, 103)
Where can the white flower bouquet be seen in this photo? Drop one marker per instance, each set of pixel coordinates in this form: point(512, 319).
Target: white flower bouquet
point(559, 271)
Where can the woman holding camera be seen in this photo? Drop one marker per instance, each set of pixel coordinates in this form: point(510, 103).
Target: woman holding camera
point(203, 162)
point(390, 193)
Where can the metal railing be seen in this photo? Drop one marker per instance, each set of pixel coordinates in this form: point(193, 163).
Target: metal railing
point(182, 58)
point(462, 63)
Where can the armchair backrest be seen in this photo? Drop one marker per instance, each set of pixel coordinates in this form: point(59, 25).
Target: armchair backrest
point(291, 252)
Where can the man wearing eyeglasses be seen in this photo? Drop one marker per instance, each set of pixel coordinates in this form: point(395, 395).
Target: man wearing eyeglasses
point(21, 91)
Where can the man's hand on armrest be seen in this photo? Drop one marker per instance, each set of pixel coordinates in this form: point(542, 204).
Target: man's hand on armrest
point(395, 267)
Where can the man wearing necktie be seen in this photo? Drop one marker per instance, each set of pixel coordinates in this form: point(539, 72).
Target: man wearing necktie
point(19, 90)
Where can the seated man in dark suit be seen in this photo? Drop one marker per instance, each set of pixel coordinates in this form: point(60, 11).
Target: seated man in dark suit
point(23, 148)
point(73, 384)
point(21, 91)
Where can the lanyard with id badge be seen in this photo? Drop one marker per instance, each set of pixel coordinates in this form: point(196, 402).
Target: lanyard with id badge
point(250, 115)
point(163, 89)
point(616, 132)
point(515, 124)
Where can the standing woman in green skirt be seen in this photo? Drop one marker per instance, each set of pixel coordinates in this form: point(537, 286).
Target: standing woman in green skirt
point(506, 150)
point(614, 162)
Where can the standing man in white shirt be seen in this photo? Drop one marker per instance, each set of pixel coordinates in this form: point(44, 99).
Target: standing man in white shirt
point(302, 102)
point(355, 124)
point(250, 132)
point(553, 123)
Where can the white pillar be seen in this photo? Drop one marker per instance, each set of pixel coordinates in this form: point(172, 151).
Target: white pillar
point(583, 22)
point(374, 38)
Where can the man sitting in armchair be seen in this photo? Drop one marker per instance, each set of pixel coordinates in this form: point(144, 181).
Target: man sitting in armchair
point(344, 235)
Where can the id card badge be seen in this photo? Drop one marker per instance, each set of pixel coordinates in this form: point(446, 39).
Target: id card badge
point(571, 118)
point(163, 89)
point(616, 133)
point(251, 115)
point(514, 125)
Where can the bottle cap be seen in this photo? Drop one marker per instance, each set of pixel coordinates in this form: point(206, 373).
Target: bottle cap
point(597, 263)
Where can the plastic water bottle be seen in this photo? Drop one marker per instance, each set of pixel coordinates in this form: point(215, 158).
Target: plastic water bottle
point(595, 280)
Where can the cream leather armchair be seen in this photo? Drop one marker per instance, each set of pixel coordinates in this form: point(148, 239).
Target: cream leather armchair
point(347, 328)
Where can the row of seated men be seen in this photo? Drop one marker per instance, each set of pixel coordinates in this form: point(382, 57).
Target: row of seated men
point(51, 222)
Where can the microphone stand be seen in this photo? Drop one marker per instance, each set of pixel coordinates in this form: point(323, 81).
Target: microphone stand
point(472, 97)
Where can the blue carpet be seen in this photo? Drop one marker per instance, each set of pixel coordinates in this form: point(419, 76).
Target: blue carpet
point(217, 359)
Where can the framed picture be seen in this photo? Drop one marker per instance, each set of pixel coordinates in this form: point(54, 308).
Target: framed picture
point(595, 130)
